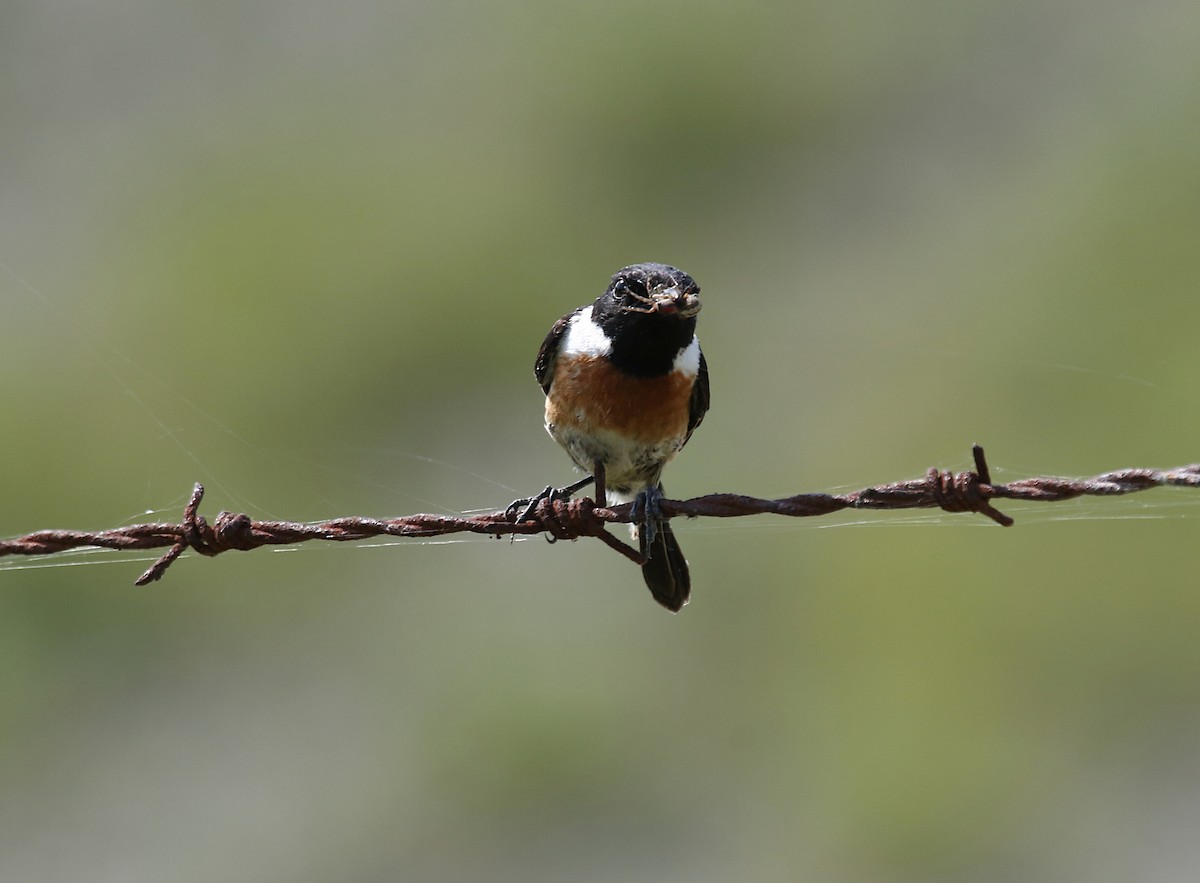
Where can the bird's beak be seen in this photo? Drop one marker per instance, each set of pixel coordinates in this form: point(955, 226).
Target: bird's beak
point(672, 301)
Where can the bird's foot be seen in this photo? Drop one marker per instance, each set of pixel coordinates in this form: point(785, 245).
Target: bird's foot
point(526, 505)
point(646, 514)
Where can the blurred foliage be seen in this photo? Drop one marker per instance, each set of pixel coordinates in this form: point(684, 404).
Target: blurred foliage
point(305, 254)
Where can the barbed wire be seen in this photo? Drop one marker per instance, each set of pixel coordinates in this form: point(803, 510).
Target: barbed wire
point(572, 519)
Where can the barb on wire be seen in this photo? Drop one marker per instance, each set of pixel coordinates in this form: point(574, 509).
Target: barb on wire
point(570, 520)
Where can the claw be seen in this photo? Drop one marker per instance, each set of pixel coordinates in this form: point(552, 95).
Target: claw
point(526, 505)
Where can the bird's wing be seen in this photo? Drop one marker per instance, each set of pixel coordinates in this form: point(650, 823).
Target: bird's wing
point(543, 368)
point(698, 406)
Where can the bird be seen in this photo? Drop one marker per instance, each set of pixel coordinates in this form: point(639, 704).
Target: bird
point(626, 385)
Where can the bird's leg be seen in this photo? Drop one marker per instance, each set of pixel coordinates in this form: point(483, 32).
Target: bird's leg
point(526, 505)
point(600, 496)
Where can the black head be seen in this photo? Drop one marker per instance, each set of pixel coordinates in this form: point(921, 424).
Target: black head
point(649, 313)
point(652, 288)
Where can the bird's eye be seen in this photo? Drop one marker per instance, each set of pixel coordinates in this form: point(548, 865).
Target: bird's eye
point(634, 287)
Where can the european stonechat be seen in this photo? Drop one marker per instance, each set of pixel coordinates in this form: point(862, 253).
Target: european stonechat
point(626, 385)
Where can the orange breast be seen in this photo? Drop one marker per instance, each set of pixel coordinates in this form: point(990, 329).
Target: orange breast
point(589, 393)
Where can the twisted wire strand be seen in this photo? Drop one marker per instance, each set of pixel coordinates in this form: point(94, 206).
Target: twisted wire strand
point(560, 519)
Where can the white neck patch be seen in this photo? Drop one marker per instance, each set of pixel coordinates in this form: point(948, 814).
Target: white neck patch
point(688, 360)
point(584, 337)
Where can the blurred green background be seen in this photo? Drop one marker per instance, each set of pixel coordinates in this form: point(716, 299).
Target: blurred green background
point(305, 253)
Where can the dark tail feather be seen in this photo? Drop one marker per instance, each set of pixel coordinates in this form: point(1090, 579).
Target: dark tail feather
point(666, 572)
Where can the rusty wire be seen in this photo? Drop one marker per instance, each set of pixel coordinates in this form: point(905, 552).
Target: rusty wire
point(570, 520)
